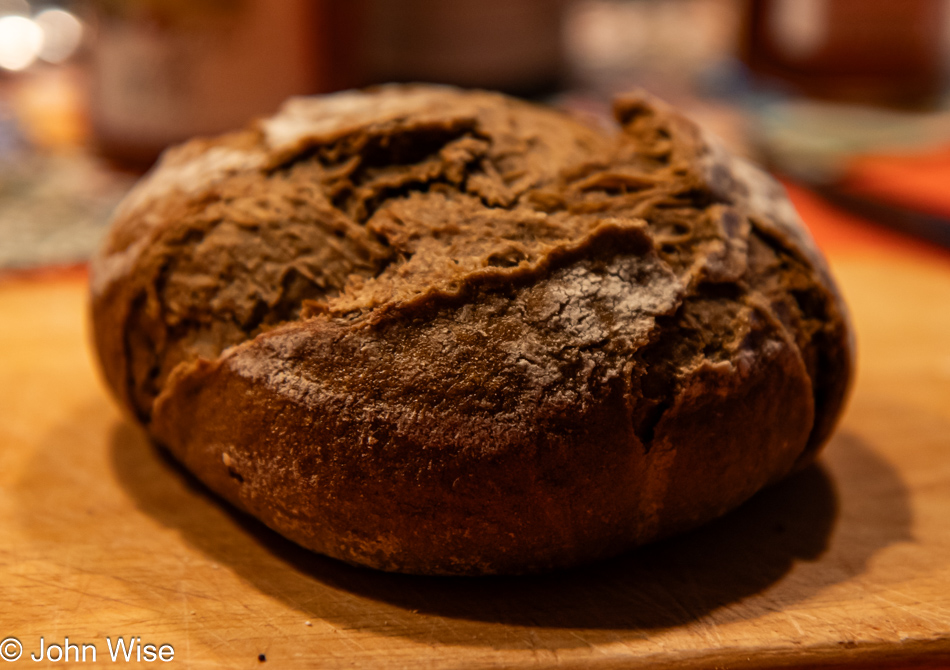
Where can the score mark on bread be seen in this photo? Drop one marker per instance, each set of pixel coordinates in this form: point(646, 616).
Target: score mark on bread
point(447, 332)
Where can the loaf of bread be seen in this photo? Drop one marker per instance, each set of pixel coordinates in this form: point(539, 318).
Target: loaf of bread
point(440, 331)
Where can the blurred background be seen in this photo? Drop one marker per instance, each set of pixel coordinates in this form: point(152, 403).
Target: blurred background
point(849, 99)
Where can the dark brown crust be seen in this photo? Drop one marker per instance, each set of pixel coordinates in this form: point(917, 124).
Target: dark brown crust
point(444, 332)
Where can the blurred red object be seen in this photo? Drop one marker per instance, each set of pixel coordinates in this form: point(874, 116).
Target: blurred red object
point(871, 51)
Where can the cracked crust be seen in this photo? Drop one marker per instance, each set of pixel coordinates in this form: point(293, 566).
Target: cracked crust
point(447, 332)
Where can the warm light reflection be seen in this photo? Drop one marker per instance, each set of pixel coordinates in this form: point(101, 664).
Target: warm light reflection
point(21, 40)
point(62, 33)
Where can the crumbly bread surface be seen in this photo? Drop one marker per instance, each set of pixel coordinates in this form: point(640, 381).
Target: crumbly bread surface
point(444, 331)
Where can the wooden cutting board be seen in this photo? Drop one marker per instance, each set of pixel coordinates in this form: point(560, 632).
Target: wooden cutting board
point(848, 563)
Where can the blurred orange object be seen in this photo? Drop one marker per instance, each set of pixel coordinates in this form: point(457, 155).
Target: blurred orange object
point(919, 182)
point(839, 232)
point(49, 105)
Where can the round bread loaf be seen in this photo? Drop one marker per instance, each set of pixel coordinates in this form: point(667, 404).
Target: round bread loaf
point(447, 332)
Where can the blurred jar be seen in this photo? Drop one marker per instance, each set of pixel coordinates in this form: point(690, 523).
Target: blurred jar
point(166, 70)
point(868, 51)
point(162, 71)
point(514, 46)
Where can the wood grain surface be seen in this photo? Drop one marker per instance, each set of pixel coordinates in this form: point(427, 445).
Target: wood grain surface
point(846, 564)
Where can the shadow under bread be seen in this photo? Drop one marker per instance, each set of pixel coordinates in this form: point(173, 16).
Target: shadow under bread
point(667, 584)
